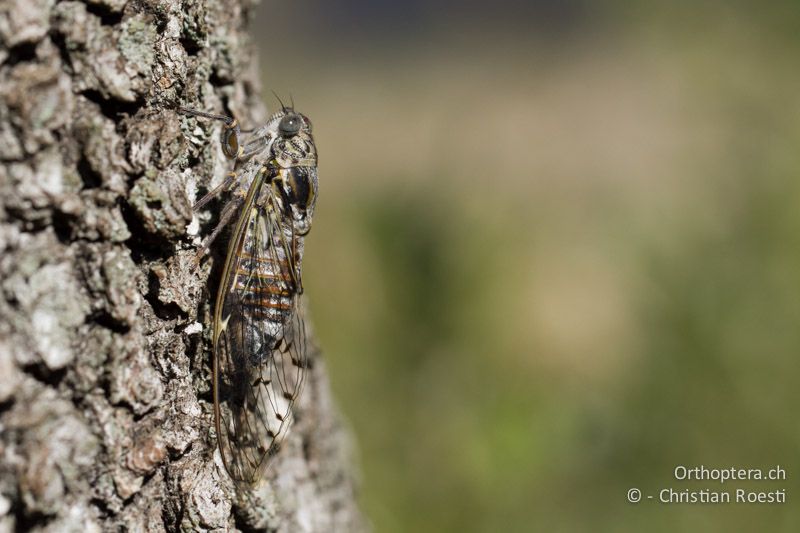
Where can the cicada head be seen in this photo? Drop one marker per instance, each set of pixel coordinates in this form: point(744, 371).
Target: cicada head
point(294, 144)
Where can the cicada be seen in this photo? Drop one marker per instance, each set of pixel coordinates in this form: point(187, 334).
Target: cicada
point(259, 338)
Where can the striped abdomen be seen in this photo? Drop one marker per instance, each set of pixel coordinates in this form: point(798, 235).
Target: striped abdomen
point(264, 279)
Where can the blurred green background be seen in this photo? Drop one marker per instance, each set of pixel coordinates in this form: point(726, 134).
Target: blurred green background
point(556, 253)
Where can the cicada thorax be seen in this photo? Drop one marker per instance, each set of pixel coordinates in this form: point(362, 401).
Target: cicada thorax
point(294, 171)
point(295, 191)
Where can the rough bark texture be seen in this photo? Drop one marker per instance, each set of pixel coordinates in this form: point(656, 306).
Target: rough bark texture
point(105, 415)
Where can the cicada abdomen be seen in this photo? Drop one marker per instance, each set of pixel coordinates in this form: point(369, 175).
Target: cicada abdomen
point(260, 352)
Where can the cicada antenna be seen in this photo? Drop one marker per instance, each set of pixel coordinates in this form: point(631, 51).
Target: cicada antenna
point(283, 107)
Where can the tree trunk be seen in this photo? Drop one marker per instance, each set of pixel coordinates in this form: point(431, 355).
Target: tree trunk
point(105, 405)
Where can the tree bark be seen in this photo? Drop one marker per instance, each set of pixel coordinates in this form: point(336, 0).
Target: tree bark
point(105, 405)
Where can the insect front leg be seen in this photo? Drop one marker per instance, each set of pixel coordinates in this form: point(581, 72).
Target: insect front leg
point(210, 195)
point(256, 145)
point(231, 134)
point(227, 215)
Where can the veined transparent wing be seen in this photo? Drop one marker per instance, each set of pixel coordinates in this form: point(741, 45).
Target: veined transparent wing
point(260, 352)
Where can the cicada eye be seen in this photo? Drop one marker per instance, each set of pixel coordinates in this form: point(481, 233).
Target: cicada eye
point(289, 126)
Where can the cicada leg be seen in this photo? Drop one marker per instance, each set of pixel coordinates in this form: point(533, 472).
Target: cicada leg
point(210, 195)
point(255, 146)
point(231, 134)
point(227, 215)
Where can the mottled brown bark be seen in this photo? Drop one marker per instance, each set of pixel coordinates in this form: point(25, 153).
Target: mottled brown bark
point(105, 415)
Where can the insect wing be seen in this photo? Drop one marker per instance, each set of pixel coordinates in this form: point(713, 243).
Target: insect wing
point(259, 342)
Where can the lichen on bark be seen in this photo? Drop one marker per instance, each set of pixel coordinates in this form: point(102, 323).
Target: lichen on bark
point(105, 416)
